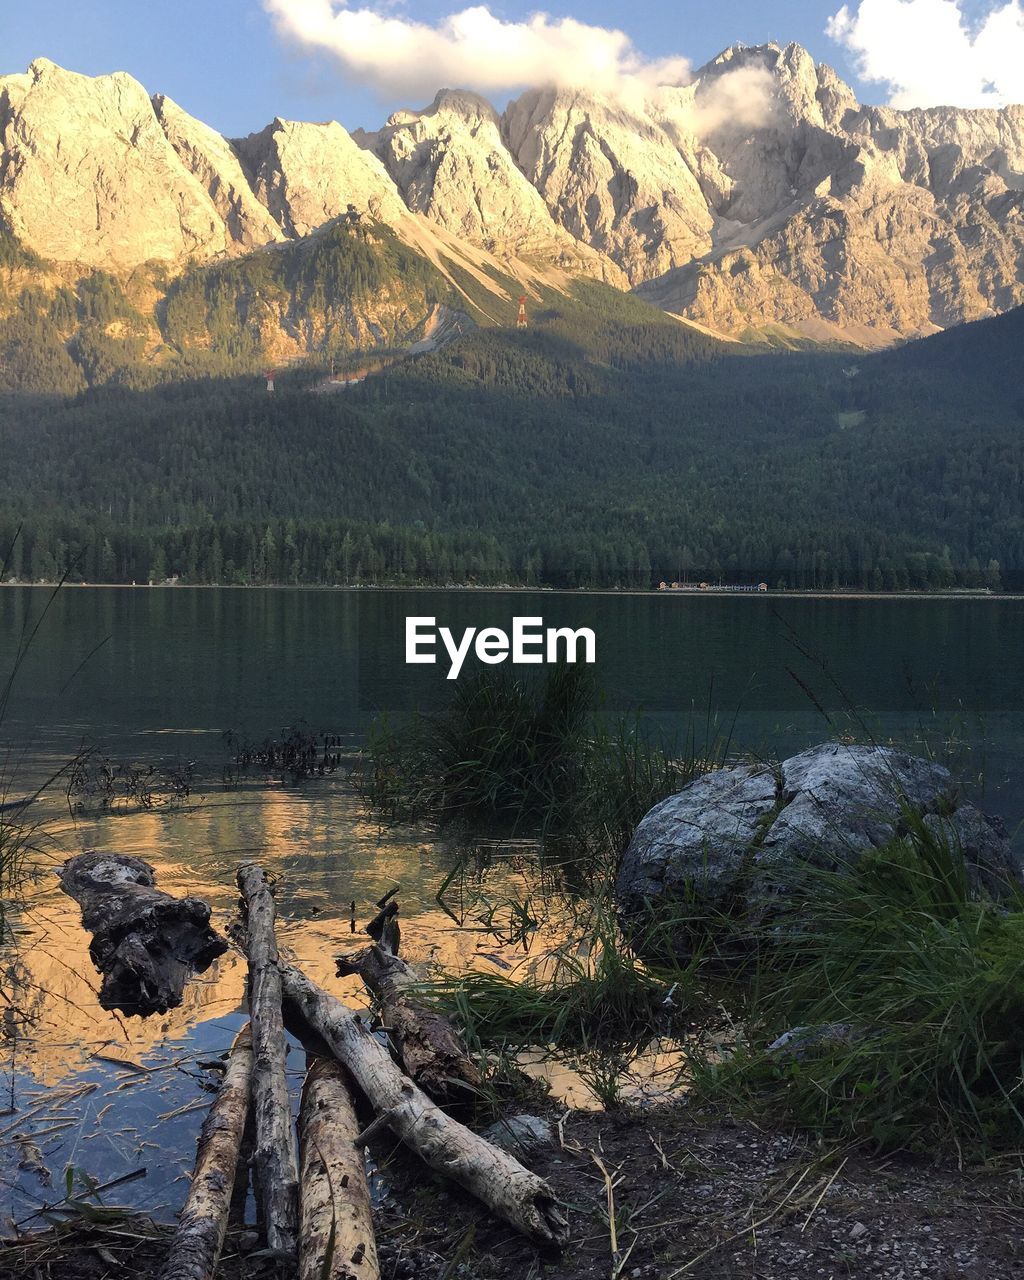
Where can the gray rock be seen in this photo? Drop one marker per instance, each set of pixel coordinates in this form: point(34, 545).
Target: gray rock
point(838, 801)
point(982, 843)
point(800, 1041)
point(521, 1136)
point(694, 846)
point(744, 838)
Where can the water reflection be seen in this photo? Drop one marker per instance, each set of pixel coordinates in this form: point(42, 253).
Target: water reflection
point(182, 666)
point(143, 1080)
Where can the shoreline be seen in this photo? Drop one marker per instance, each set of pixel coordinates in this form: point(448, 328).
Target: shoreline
point(652, 592)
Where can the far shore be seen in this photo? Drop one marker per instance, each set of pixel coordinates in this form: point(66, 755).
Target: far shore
point(794, 594)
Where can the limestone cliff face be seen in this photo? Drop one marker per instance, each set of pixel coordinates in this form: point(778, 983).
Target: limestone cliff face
point(863, 218)
point(613, 177)
point(137, 180)
point(212, 161)
point(88, 176)
point(762, 194)
point(308, 174)
point(450, 163)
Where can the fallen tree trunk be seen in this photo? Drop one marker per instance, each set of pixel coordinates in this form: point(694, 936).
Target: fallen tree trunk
point(336, 1240)
point(145, 944)
point(276, 1157)
point(430, 1048)
point(501, 1182)
point(199, 1238)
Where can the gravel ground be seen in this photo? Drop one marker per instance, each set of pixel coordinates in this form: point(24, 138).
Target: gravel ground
point(691, 1198)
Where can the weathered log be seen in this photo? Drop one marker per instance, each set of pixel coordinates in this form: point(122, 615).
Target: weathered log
point(199, 1238)
point(145, 944)
point(276, 1157)
point(500, 1181)
point(243, 1174)
point(336, 1240)
point(430, 1048)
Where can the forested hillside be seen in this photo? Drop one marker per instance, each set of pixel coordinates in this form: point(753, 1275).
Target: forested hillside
point(347, 287)
point(605, 446)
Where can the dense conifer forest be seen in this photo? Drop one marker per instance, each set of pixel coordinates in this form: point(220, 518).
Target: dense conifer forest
point(606, 446)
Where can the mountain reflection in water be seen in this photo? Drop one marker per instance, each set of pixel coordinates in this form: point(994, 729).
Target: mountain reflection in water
point(111, 1094)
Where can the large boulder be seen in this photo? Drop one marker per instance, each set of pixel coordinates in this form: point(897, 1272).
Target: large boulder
point(739, 839)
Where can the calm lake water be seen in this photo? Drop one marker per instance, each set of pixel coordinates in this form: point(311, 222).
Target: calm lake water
point(157, 676)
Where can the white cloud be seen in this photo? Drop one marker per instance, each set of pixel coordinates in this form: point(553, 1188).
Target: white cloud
point(929, 56)
point(744, 97)
point(471, 49)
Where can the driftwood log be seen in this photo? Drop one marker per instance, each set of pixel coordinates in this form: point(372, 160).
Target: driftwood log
point(146, 944)
point(336, 1240)
point(199, 1238)
point(430, 1048)
point(497, 1179)
point(11, 806)
point(276, 1157)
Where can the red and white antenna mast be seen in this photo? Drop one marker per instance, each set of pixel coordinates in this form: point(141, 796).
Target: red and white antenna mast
point(522, 322)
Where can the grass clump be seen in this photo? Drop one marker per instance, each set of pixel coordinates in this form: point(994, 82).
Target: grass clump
point(536, 755)
point(908, 984)
point(590, 993)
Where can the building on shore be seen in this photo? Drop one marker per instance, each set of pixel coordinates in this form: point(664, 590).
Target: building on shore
point(727, 587)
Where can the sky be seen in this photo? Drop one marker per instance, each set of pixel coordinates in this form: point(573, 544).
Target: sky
point(238, 63)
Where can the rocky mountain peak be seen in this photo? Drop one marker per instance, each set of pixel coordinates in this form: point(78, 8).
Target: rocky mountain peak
point(213, 162)
point(470, 107)
point(760, 195)
point(451, 163)
point(308, 174)
point(613, 177)
point(94, 149)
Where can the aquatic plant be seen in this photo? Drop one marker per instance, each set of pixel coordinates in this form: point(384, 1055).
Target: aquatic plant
point(298, 753)
point(592, 992)
point(537, 756)
point(95, 781)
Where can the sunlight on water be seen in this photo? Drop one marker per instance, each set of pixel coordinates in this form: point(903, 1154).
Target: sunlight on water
point(111, 1095)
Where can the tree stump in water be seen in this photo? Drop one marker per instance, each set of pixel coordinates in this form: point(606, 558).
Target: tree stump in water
point(145, 944)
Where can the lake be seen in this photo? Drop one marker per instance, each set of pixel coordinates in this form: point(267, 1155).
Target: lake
point(155, 677)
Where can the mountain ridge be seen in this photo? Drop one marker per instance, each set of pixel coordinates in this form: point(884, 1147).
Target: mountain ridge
point(760, 198)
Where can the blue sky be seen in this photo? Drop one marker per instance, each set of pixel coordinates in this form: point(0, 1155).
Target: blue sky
point(224, 61)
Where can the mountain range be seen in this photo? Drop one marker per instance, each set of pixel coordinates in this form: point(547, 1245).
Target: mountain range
point(710, 273)
point(759, 202)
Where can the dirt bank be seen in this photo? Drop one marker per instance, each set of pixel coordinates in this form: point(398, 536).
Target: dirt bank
point(690, 1197)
